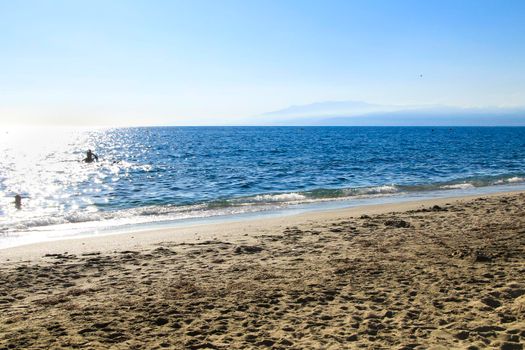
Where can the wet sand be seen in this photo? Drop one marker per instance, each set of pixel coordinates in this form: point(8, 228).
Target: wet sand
point(437, 274)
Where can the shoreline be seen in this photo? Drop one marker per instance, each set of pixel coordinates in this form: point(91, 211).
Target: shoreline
point(137, 223)
point(231, 230)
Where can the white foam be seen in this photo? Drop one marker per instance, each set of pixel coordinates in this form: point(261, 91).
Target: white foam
point(511, 180)
point(463, 186)
point(382, 189)
point(284, 197)
point(78, 216)
point(23, 225)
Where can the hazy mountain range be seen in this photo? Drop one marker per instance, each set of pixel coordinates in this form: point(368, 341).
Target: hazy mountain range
point(362, 113)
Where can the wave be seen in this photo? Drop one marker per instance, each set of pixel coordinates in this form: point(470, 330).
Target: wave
point(462, 186)
point(316, 194)
point(514, 179)
point(283, 197)
point(247, 204)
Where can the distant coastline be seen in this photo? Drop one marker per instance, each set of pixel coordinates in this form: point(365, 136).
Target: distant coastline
point(358, 113)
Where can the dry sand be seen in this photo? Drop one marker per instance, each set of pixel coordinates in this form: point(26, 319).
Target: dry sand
point(438, 274)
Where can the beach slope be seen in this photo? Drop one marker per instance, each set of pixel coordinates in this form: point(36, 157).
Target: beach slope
point(439, 274)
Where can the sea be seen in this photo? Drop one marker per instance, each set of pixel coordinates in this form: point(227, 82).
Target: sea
point(157, 177)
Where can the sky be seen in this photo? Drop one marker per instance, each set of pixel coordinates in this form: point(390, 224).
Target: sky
point(153, 62)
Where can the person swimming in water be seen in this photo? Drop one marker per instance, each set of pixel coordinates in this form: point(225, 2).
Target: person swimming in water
point(18, 201)
point(90, 157)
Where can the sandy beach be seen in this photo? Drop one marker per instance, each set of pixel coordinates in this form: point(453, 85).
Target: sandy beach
point(436, 274)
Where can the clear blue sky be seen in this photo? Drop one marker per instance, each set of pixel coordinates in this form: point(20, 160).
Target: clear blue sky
point(211, 62)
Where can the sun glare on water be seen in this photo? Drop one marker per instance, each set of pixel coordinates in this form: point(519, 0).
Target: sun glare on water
point(44, 166)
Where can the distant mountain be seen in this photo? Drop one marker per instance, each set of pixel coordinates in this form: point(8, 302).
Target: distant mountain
point(330, 108)
point(362, 113)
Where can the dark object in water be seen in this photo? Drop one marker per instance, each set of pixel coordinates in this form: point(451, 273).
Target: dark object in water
point(18, 201)
point(90, 157)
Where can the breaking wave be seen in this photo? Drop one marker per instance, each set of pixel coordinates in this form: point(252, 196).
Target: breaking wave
point(247, 204)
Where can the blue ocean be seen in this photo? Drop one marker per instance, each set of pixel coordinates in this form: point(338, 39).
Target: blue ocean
point(169, 174)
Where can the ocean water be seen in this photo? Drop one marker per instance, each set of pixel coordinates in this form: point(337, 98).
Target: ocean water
point(167, 174)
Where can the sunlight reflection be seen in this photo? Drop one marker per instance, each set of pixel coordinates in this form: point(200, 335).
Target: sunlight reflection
point(44, 166)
